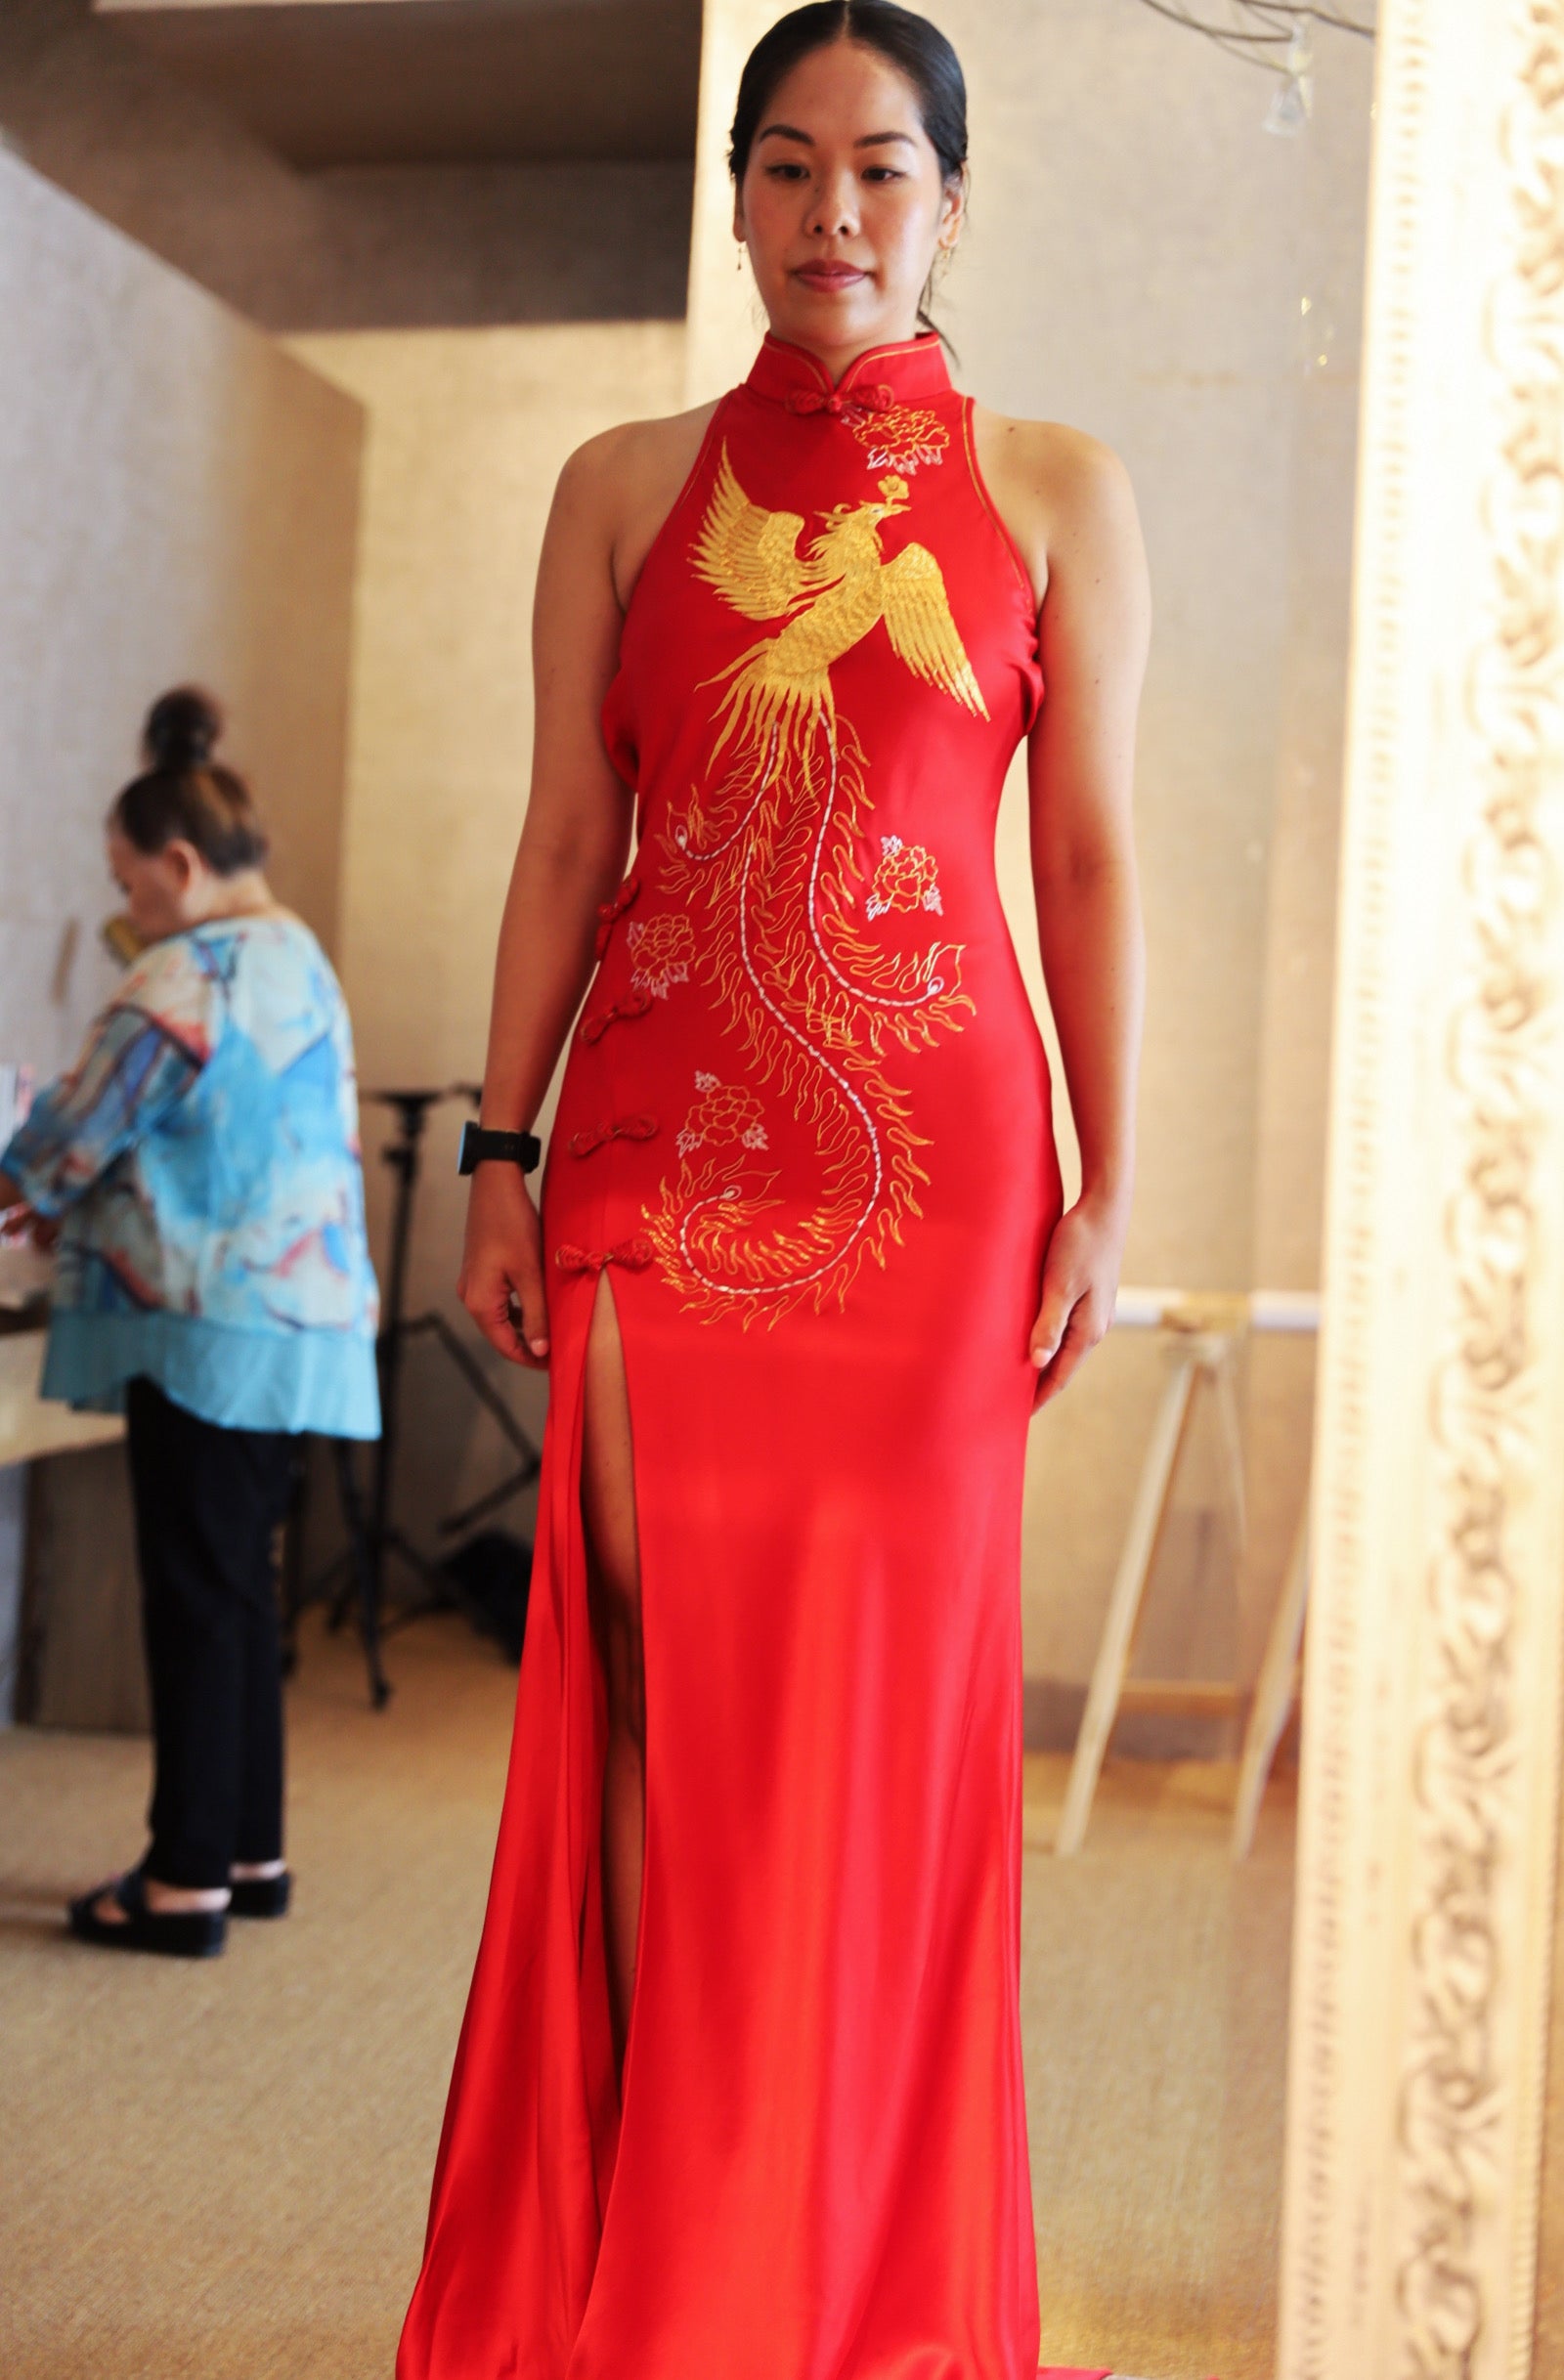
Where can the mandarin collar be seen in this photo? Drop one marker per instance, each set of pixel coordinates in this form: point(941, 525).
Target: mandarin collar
point(906, 369)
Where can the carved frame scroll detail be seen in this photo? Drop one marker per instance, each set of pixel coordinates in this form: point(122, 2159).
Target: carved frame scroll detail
point(1429, 1826)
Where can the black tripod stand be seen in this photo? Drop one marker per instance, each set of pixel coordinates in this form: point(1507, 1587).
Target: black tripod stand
point(362, 1569)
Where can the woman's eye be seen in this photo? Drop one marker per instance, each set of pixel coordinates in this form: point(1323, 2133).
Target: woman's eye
point(883, 173)
point(791, 171)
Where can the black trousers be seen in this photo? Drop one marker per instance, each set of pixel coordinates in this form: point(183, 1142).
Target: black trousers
point(208, 1504)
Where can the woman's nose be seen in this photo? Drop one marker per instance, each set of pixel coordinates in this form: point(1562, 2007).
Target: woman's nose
point(835, 213)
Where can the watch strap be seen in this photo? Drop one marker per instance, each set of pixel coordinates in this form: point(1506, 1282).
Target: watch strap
point(523, 1148)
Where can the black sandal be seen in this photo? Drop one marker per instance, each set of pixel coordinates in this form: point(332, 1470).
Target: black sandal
point(260, 1897)
point(181, 1933)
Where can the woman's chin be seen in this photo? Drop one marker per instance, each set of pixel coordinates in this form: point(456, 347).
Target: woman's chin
point(852, 314)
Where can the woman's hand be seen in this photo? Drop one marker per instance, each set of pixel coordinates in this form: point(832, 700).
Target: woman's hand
point(1080, 1282)
point(502, 1279)
point(19, 1221)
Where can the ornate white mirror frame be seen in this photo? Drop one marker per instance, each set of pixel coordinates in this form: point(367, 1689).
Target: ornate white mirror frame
point(1431, 1773)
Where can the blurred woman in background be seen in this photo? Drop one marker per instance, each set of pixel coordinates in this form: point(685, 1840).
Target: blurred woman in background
point(200, 1165)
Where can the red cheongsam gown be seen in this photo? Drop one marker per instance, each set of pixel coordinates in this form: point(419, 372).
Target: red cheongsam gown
point(804, 1137)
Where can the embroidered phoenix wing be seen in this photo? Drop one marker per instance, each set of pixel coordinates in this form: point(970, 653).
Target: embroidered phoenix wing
point(748, 554)
point(917, 616)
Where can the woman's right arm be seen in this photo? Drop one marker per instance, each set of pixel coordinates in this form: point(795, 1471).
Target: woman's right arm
point(143, 1054)
point(570, 858)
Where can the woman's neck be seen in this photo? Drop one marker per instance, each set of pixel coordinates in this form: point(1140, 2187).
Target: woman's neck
point(838, 362)
point(246, 894)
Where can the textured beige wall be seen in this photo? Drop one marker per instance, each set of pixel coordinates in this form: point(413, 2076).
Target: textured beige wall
point(467, 433)
point(179, 500)
point(1300, 948)
point(1136, 260)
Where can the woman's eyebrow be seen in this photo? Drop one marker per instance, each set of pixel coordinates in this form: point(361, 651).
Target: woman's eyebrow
point(870, 139)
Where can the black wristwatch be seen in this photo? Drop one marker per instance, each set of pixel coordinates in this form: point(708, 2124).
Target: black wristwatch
point(523, 1148)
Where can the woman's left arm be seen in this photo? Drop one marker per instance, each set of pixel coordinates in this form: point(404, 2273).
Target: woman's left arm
point(1093, 637)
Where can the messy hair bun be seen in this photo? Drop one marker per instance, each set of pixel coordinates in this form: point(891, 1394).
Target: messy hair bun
point(182, 729)
point(185, 796)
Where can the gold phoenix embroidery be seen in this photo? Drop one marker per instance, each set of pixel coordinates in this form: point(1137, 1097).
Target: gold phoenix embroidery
point(766, 862)
point(832, 597)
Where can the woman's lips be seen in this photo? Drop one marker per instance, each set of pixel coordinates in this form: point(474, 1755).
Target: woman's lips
point(829, 277)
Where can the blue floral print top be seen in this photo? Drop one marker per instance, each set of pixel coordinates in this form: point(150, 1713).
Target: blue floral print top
point(204, 1157)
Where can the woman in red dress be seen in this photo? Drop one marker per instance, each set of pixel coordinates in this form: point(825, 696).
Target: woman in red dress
point(739, 2090)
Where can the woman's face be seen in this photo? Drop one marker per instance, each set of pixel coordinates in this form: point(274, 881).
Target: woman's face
point(843, 205)
point(165, 891)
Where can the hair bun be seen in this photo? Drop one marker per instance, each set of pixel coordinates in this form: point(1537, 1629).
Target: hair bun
point(182, 729)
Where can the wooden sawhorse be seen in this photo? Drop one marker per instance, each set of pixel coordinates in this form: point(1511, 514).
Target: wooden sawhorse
point(1206, 1331)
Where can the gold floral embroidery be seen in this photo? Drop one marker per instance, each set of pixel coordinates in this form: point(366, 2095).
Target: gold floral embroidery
point(767, 860)
point(660, 952)
point(905, 878)
point(901, 438)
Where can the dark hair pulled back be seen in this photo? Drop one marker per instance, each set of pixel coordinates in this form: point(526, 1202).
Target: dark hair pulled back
point(183, 794)
point(909, 42)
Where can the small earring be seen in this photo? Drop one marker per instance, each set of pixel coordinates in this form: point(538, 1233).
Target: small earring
point(738, 256)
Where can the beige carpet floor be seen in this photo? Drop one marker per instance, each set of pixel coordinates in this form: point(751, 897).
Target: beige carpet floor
point(1154, 2004)
point(220, 2169)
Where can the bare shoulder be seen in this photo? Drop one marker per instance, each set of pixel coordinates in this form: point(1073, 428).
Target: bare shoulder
point(633, 451)
point(625, 481)
point(1062, 493)
point(1049, 461)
